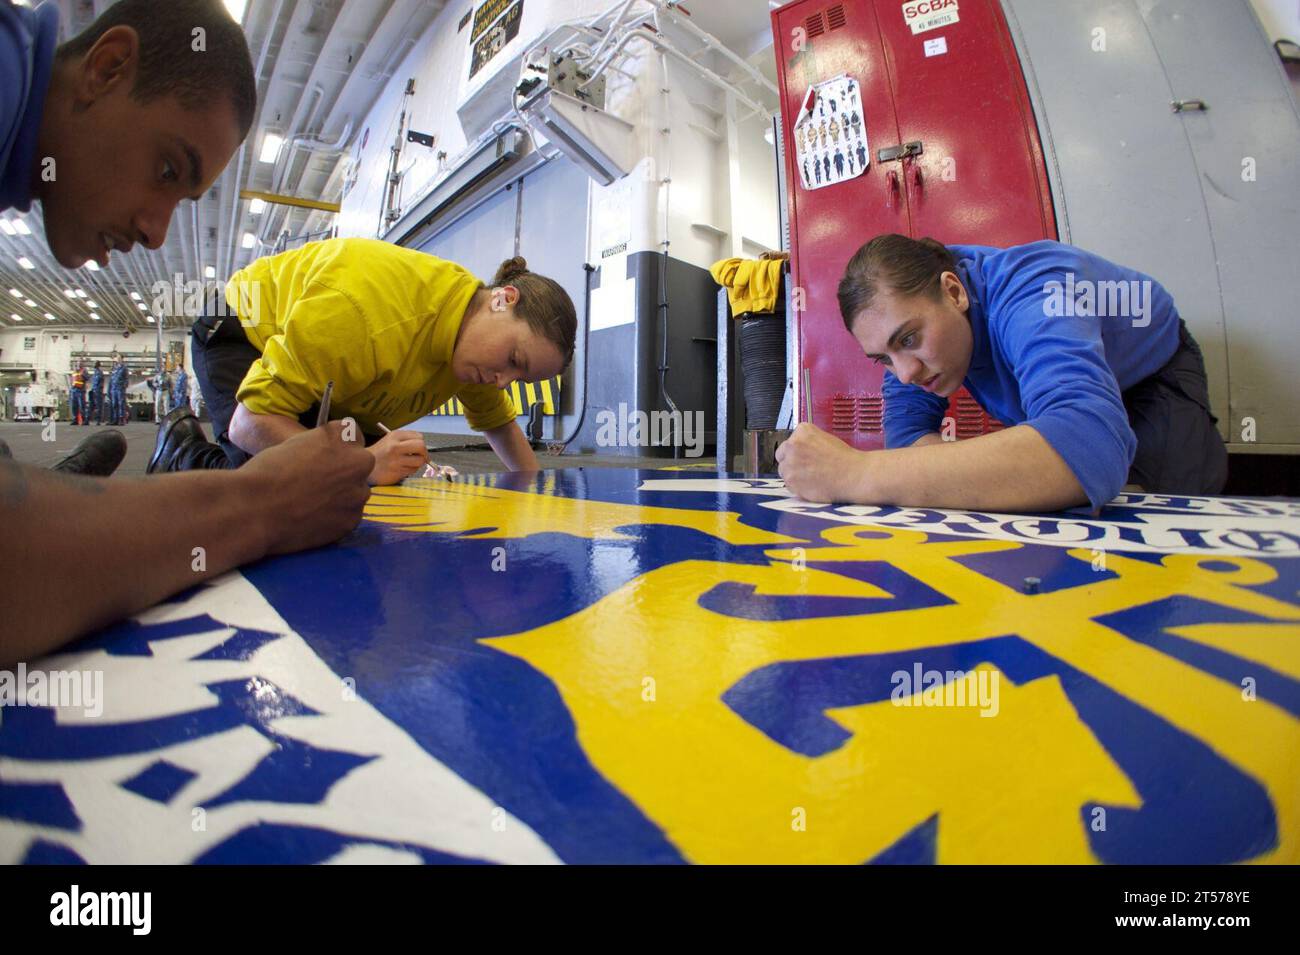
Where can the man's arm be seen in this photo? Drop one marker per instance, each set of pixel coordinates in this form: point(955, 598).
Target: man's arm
point(168, 532)
point(254, 433)
point(1011, 470)
point(512, 447)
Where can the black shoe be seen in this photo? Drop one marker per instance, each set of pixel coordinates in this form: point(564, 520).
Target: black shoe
point(98, 455)
point(4, 449)
point(176, 430)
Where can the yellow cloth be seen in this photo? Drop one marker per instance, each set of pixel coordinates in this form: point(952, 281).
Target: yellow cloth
point(377, 319)
point(751, 286)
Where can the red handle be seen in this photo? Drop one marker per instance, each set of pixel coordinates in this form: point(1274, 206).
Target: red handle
point(891, 189)
point(914, 179)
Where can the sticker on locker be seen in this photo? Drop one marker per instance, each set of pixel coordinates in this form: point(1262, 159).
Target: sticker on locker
point(922, 15)
point(830, 134)
point(936, 47)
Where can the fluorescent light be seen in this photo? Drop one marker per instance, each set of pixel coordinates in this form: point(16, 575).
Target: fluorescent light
point(250, 240)
point(210, 272)
point(29, 303)
point(92, 265)
point(49, 317)
point(81, 293)
point(149, 319)
point(142, 307)
point(271, 147)
point(16, 317)
point(26, 263)
point(15, 293)
point(94, 316)
point(237, 8)
point(257, 207)
point(21, 226)
point(91, 305)
point(7, 227)
point(136, 296)
point(68, 292)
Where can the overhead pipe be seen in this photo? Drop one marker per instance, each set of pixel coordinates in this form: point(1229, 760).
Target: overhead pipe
point(713, 44)
point(401, 10)
point(238, 184)
point(280, 171)
point(663, 46)
point(312, 142)
point(243, 150)
point(194, 229)
point(613, 27)
point(582, 27)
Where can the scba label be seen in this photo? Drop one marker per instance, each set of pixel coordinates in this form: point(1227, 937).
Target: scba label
point(923, 15)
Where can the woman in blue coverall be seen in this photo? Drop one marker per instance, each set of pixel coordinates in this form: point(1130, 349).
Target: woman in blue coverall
point(1087, 362)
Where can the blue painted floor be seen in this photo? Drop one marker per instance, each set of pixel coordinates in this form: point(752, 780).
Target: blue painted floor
point(676, 666)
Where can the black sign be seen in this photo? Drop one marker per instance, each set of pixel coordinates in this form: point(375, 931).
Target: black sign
point(501, 33)
point(486, 15)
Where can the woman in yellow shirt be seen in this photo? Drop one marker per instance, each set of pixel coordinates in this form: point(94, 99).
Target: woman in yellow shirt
point(399, 332)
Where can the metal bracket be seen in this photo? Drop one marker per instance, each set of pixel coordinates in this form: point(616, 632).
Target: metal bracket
point(1188, 105)
point(914, 148)
point(535, 423)
point(785, 417)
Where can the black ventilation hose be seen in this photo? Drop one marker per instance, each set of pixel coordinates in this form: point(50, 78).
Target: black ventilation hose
point(590, 270)
point(663, 365)
point(762, 362)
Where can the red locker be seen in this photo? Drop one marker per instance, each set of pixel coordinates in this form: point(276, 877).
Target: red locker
point(939, 73)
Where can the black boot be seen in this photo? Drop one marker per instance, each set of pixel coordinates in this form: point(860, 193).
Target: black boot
point(96, 456)
point(174, 432)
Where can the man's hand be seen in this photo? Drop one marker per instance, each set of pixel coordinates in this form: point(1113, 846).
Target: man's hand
point(819, 467)
point(314, 487)
point(306, 492)
point(398, 455)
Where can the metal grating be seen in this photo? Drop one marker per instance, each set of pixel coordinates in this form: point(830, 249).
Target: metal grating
point(835, 16)
point(871, 414)
point(858, 414)
point(843, 414)
point(972, 420)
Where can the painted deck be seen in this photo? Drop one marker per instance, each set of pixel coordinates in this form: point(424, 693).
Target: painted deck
point(668, 666)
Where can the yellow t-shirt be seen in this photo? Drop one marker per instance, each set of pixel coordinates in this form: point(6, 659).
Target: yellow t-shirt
point(378, 320)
